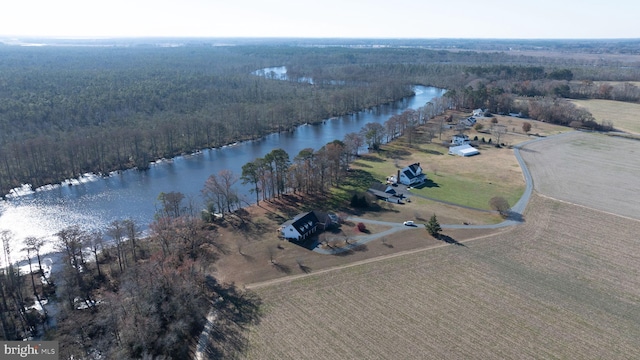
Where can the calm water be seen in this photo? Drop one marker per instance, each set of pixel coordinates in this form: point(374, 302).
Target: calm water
point(94, 202)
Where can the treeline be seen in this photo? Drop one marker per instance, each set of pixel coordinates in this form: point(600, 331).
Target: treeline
point(65, 111)
point(537, 92)
point(310, 171)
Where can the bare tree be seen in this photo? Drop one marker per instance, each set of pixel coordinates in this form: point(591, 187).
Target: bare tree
point(36, 244)
point(96, 243)
point(116, 231)
point(498, 131)
point(171, 204)
point(500, 204)
point(133, 231)
point(353, 141)
point(219, 190)
point(70, 242)
point(374, 134)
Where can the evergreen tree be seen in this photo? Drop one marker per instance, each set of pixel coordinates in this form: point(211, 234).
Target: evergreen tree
point(433, 226)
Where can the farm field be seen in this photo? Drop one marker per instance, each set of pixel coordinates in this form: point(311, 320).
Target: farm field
point(593, 170)
point(624, 115)
point(565, 284)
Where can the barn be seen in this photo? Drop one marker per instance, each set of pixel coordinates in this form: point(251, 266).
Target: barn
point(463, 150)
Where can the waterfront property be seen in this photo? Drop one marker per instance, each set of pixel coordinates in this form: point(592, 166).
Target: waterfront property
point(411, 175)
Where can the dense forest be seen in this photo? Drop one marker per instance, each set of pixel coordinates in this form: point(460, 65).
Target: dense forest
point(69, 110)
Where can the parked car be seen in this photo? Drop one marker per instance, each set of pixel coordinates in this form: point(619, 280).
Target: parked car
point(408, 223)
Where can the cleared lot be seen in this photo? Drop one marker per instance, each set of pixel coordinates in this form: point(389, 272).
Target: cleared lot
point(624, 115)
point(593, 170)
point(565, 284)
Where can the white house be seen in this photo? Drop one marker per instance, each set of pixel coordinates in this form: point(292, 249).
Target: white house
point(463, 150)
point(411, 175)
point(300, 227)
point(459, 139)
point(478, 112)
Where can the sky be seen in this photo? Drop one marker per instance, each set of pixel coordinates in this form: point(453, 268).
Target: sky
point(514, 19)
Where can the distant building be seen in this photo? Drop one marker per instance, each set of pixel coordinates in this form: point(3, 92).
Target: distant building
point(470, 121)
point(478, 112)
point(459, 139)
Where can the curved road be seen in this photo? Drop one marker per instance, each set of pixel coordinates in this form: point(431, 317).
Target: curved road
point(515, 218)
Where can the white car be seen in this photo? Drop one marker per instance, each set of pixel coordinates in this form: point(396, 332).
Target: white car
point(408, 223)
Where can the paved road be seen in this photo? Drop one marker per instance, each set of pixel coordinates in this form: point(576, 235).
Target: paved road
point(515, 218)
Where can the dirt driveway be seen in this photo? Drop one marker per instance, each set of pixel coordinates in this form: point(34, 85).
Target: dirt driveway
point(593, 170)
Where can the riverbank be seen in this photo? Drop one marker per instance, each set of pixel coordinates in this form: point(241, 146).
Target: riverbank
point(94, 204)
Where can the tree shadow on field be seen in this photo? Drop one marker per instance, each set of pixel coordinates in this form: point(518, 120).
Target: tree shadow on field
point(236, 310)
point(281, 267)
point(371, 158)
point(244, 255)
point(276, 217)
point(353, 250)
point(449, 240)
point(305, 269)
point(428, 183)
point(385, 242)
point(514, 216)
point(396, 153)
point(363, 165)
point(527, 150)
point(431, 152)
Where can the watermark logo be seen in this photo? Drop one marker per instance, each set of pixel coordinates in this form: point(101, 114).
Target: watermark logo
point(42, 350)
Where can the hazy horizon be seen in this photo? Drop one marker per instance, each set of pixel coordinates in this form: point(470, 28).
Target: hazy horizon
point(355, 19)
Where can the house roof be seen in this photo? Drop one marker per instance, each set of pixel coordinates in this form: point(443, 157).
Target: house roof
point(380, 194)
point(382, 187)
point(303, 222)
point(412, 170)
point(408, 173)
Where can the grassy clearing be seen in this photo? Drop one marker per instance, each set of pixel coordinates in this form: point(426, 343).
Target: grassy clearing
point(624, 115)
point(616, 83)
point(563, 285)
point(464, 181)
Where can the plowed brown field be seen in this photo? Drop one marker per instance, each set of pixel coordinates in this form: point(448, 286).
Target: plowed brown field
point(593, 170)
point(565, 284)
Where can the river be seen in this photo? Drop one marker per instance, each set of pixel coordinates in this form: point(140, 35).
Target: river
point(92, 202)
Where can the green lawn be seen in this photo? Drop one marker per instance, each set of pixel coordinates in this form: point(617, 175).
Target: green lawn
point(473, 184)
point(467, 191)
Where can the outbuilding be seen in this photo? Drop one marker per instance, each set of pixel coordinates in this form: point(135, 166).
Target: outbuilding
point(463, 150)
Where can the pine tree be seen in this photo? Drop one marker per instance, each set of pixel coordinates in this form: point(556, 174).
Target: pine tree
point(433, 226)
